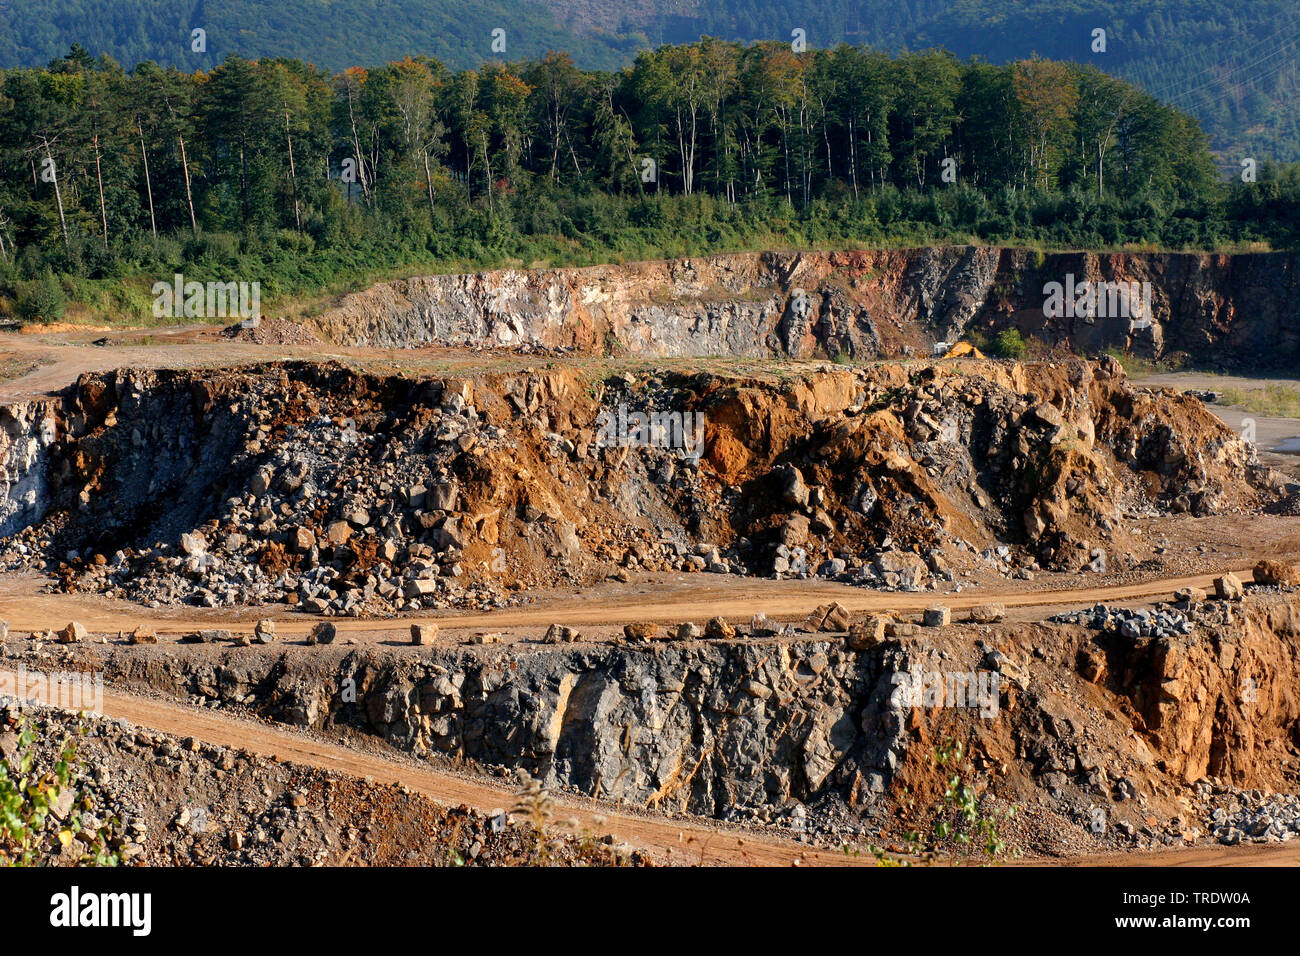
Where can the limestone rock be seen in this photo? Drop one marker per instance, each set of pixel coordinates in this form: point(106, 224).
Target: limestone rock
point(868, 633)
point(1228, 587)
point(718, 629)
point(422, 634)
point(937, 616)
point(322, 633)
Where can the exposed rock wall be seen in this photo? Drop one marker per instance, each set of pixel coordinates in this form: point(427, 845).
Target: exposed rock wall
point(1217, 706)
point(27, 431)
point(734, 728)
point(1229, 310)
point(699, 727)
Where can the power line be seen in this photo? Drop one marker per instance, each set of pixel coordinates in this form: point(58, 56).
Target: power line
point(1287, 46)
point(1222, 80)
point(1205, 101)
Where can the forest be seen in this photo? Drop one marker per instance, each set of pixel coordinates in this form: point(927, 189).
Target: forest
point(1233, 66)
point(279, 172)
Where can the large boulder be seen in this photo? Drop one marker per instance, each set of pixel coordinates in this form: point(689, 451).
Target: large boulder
point(1228, 587)
point(910, 569)
point(1276, 573)
point(868, 633)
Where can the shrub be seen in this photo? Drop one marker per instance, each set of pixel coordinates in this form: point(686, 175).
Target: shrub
point(41, 300)
point(1010, 344)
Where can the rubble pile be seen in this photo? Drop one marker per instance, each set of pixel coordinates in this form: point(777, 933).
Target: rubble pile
point(347, 514)
point(176, 801)
point(1132, 623)
point(1253, 816)
point(351, 494)
point(888, 475)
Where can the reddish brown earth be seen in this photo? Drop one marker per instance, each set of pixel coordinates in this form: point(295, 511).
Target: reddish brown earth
point(1232, 541)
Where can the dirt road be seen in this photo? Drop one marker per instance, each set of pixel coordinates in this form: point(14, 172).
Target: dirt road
point(62, 358)
point(59, 359)
point(25, 609)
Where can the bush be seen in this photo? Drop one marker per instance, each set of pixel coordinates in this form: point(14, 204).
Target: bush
point(1010, 344)
point(41, 300)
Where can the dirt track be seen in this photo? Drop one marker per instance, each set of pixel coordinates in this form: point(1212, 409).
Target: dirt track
point(737, 599)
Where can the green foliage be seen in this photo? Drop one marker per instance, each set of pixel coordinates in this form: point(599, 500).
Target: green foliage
point(45, 818)
point(331, 33)
point(1230, 66)
point(1135, 365)
point(959, 819)
point(41, 300)
point(1010, 344)
point(278, 172)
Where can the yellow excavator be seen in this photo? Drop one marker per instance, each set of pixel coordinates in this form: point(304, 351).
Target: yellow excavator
point(963, 350)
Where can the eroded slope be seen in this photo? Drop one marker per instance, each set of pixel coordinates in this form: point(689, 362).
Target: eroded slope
point(351, 493)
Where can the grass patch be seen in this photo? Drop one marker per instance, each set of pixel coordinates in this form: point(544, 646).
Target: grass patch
point(1135, 366)
point(1275, 401)
point(12, 368)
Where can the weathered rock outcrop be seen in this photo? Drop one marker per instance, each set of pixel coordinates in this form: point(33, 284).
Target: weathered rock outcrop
point(359, 494)
point(747, 727)
point(1217, 702)
point(27, 430)
point(706, 728)
point(1222, 310)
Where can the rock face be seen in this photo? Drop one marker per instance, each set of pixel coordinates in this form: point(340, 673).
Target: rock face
point(741, 728)
point(1211, 706)
point(735, 725)
point(351, 494)
point(729, 728)
point(1229, 309)
point(280, 812)
point(27, 432)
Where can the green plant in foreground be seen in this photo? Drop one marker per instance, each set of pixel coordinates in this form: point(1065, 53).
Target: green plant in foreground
point(883, 858)
point(45, 817)
point(959, 818)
